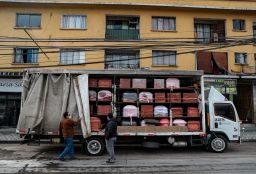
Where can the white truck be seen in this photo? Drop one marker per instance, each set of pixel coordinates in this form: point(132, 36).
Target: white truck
point(48, 93)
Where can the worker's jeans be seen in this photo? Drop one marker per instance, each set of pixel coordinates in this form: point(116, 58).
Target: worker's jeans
point(69, 149)
point(110, 147)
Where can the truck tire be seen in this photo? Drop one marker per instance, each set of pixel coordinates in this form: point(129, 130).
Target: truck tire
point(94, 146)
point(218, 144)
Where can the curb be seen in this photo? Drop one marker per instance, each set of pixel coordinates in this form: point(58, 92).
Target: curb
point(248, 140)
point(10, 142)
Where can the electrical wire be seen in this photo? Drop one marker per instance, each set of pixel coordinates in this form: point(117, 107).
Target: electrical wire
point(146, 57)
point(128, 48)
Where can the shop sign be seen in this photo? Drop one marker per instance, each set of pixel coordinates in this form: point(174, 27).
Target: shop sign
point(224, 86)
point(10, 85)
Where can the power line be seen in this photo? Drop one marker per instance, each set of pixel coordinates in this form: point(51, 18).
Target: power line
point(127, 47)
point(106, 40)
point(36, 43)
point(146, 57)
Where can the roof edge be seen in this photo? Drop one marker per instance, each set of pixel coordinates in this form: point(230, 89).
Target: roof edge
point(130, 4)
point(119, 72)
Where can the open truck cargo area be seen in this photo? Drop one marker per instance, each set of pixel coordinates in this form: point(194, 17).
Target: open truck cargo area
point(151, 108)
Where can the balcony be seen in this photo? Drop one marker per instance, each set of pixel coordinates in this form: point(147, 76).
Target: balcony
point(122, 28)
point(122, 34)
point(122, 59)
point(209, 31)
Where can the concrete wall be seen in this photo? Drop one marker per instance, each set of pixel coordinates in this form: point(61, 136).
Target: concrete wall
point(96, 21)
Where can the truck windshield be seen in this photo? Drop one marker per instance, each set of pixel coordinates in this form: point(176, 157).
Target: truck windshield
point(225, 110)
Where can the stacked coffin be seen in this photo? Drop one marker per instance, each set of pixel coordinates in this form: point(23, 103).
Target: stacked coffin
point(125, 83)
point(162, 106)
point(129, 97)
point(104, 95)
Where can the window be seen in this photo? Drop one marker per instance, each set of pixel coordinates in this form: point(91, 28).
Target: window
point(164, 57)
point(122, 59)
point(72, 56)
point(240, 58)
point(163, 23)
point(28, 20)
point(238, 24)
point(74, 21)
point(122, 28)
point(203, 32)
point(122, 23)
point(26, 55)
point(225, 110)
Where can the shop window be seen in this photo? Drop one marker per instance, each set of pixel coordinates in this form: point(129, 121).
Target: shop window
point(121, 59)
point(240, 58)
point(238, 24)
point(74, 21)
point(72, 56)
point(225, 110)
point(26, 55)
point(28, 20)
point(163, 23)
point(164, 58)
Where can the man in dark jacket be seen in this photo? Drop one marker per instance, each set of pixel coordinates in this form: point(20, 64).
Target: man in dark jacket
point(66, 128)
point(110, 137)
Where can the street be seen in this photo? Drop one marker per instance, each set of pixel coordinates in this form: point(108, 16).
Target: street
point(239, 158)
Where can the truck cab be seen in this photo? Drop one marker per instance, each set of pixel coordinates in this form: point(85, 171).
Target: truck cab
point(224, 123)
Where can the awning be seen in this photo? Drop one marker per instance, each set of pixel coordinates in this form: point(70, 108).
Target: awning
point(221, 60)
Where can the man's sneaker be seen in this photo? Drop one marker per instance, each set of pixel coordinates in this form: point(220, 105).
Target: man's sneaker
point(111, 161)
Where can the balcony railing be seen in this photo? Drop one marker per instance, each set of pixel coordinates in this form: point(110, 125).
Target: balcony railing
point(127, 66)
point(122, 34)
point(216, 37)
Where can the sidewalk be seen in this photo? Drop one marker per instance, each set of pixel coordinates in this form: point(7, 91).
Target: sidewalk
point(248, 132)
point(8, 135)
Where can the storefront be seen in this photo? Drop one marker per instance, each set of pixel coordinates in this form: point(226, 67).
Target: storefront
point(10, 99)
point(247, 87)
point(239, 89)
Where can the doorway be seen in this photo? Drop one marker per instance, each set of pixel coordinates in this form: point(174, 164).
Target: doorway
point(244, 102)
point(9, 109)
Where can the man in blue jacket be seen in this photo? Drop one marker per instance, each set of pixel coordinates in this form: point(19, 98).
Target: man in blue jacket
point(110, 137)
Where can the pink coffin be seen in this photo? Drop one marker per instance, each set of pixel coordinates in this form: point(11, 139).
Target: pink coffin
point(130, 111)
point(172, 83)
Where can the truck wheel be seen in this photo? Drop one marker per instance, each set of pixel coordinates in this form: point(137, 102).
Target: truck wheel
point(218, 144)
point(94, 146)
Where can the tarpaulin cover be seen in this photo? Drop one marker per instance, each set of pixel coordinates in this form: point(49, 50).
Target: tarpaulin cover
point(44, 99)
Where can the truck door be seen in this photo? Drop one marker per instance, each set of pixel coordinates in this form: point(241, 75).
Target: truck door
point(226, 119)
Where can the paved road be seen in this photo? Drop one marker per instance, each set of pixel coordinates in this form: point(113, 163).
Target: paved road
point(239, 158)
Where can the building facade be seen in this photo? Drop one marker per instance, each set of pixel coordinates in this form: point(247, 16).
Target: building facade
point(216, 36)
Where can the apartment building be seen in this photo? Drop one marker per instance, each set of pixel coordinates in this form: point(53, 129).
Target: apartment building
point(216, 36)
